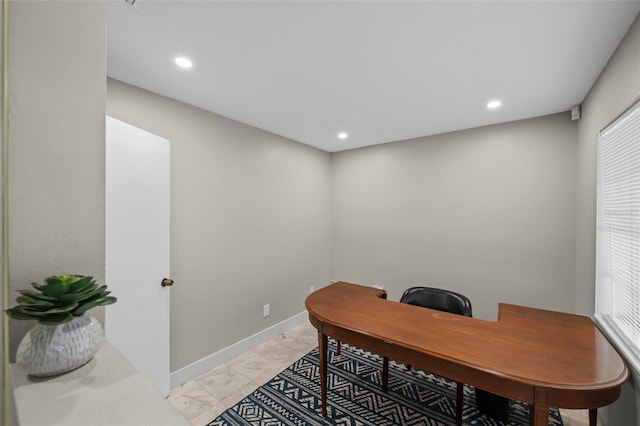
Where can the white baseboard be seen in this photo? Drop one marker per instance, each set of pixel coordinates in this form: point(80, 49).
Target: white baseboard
point(218, 358)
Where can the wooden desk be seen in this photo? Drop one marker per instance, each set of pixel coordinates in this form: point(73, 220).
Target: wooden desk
point(543, 358)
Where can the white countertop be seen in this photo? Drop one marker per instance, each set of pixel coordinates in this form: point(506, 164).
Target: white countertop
point(107, 391)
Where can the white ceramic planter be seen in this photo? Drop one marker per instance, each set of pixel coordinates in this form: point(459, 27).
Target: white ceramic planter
point(47, 350)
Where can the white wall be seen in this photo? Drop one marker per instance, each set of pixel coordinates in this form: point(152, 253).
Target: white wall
point(250, 221)
point(488, 212)
point(616, 88)
point(57, 86)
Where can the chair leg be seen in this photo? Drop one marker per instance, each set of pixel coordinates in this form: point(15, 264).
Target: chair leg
point(338, 348)
point(459, 406)
point(593, 417)
point(385, 374)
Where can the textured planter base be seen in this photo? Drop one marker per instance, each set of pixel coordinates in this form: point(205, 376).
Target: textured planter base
point(48, 350)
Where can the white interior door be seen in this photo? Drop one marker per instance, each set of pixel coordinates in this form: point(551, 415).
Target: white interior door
point(137, 248)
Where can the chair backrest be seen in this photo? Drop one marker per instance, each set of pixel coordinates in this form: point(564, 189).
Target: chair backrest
point(436, 298)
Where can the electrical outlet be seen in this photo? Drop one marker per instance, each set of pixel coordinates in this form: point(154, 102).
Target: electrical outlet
point(265, 310)
point(312, 289)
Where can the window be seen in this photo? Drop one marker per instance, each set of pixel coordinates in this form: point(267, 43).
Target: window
point(618, 233)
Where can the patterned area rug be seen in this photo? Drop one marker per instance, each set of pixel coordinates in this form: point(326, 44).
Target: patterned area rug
point(415, 397)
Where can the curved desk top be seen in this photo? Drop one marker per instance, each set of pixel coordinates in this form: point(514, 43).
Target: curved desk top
point(539, 357)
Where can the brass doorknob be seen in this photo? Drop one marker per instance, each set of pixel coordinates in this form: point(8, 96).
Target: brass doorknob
point(167, 282)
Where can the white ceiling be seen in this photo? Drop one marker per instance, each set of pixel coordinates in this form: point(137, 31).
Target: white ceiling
point(381, 71)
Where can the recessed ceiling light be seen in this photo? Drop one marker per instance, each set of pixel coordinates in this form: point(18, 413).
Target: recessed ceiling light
point(494, 104)
point(183, 62)
point(343, 135)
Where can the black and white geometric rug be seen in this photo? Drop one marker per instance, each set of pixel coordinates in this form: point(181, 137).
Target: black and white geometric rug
point(415, 397)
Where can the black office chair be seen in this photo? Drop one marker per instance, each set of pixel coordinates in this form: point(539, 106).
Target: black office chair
point(442, 300)
point(436, 298)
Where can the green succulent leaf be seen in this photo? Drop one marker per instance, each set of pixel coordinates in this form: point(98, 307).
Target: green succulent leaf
point(73, 297)
point(37, 286)
point(92, 304)
point(66, 279)
point(59, 299)
point(60, 309)
point(52, 311)
point(96, 296)
point(59, 279)
point(95, 292)
point(36, 295)
point(81, 284)
point(27, 301)
point(54, 288)
point(56, 319)
point(16, 313)
point(33, 313)
point(86, 295)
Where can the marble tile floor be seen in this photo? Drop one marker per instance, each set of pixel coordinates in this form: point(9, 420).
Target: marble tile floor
point(204, 398)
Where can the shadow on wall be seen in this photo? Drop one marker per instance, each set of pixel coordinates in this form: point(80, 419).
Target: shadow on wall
point(625, 411)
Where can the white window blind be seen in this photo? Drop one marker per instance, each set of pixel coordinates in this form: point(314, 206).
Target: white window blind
point(618, 242)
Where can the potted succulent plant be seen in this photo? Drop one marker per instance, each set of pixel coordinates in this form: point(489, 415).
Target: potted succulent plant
point(64, 337)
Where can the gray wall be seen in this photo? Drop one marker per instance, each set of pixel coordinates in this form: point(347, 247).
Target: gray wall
point(241, 190)
point(488, 212)
point(250, 221)
point(57, 91)
point(613, 92)
point(3, 299)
